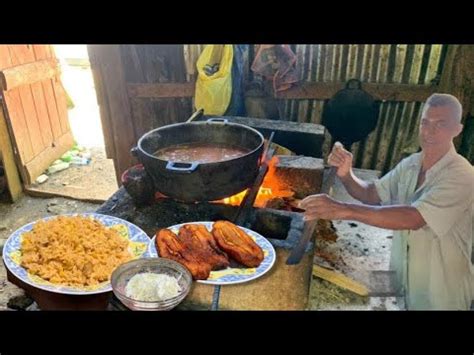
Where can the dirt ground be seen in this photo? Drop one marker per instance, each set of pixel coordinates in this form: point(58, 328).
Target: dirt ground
point(95, 182)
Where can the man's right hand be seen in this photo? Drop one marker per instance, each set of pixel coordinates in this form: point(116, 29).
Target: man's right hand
point(340, 158)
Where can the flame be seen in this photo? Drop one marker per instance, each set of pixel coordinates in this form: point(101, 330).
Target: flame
point(271, 187)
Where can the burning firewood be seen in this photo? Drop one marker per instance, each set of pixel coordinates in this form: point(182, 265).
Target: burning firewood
point(283, 204)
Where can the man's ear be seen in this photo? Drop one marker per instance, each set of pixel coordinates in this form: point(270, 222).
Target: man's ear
point(459, 128)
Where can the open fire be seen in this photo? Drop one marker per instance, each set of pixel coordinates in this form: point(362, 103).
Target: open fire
point(272, 188)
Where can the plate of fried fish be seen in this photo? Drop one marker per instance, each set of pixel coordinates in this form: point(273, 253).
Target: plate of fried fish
point(216, 253)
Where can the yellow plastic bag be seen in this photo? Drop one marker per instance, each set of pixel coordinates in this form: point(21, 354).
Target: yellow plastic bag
point(214, 81)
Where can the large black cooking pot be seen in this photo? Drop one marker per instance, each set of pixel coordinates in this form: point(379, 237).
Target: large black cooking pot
point(191, 182)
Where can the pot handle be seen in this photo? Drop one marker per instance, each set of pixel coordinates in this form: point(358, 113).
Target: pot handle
point(185, 168)
point(354, 84)
point(134, 152)
point(195, 115)
point(218, 120)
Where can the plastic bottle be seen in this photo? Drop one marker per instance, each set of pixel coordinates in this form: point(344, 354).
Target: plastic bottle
point(80, 161)
point(85, 154)
point(58, 167)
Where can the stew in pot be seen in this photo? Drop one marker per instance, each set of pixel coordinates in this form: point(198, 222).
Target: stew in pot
point(201, 152)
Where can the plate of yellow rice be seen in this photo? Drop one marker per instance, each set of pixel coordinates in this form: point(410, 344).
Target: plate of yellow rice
point(73, 254)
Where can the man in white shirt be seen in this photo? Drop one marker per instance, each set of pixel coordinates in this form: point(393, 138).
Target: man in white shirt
point(427, 199)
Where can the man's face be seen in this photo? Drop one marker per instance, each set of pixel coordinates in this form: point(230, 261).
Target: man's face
point(438, 127)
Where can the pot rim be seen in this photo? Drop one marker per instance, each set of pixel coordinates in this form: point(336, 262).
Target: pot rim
point(142, 151)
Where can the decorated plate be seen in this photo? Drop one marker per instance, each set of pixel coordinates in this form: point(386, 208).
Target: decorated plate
point(231, 276)
point(138, 247)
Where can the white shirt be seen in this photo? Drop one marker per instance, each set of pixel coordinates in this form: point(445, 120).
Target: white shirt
point(433, 264)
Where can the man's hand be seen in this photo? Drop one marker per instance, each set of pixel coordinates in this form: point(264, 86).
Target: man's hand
point(397, 217)
point(340, 158)
point(322, 206)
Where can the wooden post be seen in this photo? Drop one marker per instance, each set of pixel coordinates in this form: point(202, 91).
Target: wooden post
point(114, 103)
point(124, 117)
point(8, 159)
point(142, 109)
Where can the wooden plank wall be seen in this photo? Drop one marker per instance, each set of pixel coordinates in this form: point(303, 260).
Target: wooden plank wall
point(160, 84)
point(36, 106)
point(124, 118)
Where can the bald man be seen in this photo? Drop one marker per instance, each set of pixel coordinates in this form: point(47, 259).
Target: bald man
point(427, 199)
